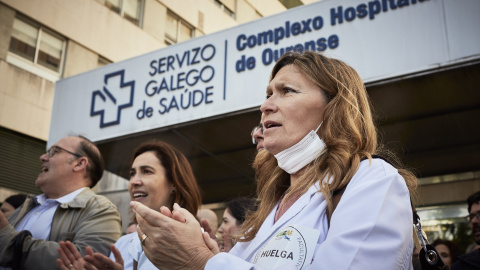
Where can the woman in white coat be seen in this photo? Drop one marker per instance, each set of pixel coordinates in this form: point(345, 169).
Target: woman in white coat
point(320, 140)
point(160, 176)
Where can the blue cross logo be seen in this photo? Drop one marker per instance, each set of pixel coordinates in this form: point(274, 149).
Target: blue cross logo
point(115, 91)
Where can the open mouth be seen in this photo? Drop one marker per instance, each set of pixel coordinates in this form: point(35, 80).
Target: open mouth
point(138, 195)
point(270, 124)
point(44, 169)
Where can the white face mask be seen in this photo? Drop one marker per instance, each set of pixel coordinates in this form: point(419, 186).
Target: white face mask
point(302, 153)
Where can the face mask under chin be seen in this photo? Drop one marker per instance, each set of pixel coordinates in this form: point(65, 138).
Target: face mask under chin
point(302, 153)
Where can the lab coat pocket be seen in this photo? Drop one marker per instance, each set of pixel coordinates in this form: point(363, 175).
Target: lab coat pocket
point(292, 245)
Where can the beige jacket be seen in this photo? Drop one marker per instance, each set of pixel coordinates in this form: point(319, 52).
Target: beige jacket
point(88, 220)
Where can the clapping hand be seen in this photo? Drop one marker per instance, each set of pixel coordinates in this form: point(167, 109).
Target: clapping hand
point(173, 240)
point(71, 259)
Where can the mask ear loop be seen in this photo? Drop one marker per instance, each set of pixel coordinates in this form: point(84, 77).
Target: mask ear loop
point(318, 127)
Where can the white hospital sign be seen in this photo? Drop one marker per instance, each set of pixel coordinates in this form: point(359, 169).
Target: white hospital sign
point(228, 71)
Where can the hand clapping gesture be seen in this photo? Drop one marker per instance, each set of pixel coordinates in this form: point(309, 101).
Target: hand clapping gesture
point(71, 259)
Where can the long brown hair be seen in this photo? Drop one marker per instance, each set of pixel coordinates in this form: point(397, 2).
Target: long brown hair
point(348, 131)
point(178, 171)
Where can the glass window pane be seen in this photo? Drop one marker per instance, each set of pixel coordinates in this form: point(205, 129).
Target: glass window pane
point(50, 51)
point(131, 10)
point(114, 5)
point(172, 25)
point(24, 39)
point(185, 33)
point(230, 4)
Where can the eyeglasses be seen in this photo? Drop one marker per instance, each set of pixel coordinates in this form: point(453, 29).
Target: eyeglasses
point(470, 217)
point(55, 149)
point(260, 126)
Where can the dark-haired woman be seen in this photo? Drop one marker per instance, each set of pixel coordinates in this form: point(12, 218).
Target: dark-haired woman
point(160, 176)
point(233, 218)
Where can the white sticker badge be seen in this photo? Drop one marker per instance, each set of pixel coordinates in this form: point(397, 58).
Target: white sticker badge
point(292, 245)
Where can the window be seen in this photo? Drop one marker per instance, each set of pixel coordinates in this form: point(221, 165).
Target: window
point(37, 44)
point(228, 6)
point(177, 30)
point(129, 9)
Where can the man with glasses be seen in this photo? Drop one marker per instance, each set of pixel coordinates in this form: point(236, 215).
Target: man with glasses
point(257, 136)
point(68, 210)
point(471, 260)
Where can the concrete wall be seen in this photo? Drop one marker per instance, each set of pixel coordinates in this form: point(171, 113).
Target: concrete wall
point(267, 7)
point(6, 24)
point(91, 24)
point(80, 59)
point(451, 192)
point(153, 15)
point(98, 29)
point(25, 99)
point(25, 102)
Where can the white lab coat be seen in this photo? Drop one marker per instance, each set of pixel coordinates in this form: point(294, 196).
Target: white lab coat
point(371, 228)
point(131, 249)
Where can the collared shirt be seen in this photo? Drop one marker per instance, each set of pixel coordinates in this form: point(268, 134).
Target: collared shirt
point(39, 220)
point(131, 249)
point(136, 252)
point(122, 245)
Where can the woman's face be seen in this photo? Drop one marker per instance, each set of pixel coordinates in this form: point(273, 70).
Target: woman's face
point(229, 224)
point(148, 182)
point(293, 108)
point(444, 253)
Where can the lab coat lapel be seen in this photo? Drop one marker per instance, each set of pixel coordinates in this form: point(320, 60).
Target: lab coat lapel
point(268, 229)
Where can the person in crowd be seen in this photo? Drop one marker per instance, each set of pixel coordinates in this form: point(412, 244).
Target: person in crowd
point(257, 136)
point(471, 260)
point(210, 217)
point(67, 210)
point(132, 227)
point(319, 139)
point(160, 176)
point(448, 250)
point(11, 203)
point(472, 247)
point(233, 218)
point(416, 259)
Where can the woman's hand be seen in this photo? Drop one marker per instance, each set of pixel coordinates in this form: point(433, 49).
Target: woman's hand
point(70, 258)
point(209, 237)
point(173, 240)
point(99, 261)
point(227, 242)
